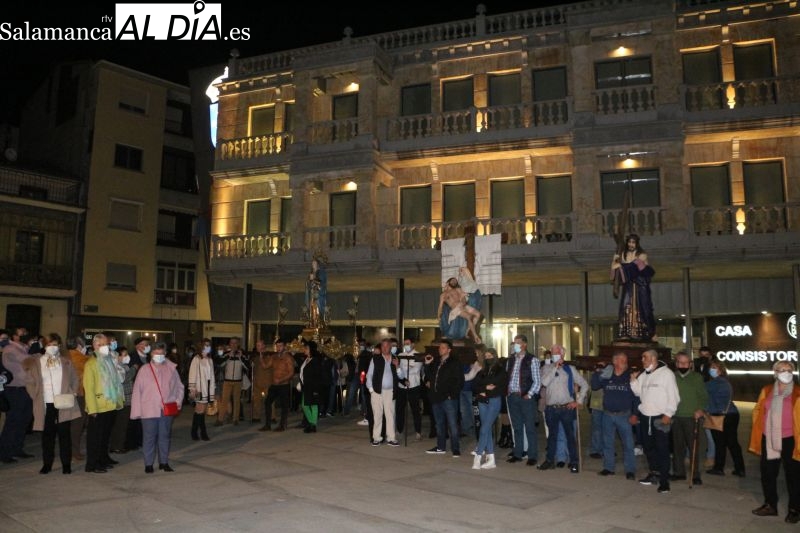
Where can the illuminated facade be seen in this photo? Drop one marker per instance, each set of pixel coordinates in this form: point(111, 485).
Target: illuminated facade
point(532, 124)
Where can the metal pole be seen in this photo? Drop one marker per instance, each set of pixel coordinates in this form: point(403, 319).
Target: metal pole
point(796, 280)
point(585, 320)
point(247, 312)
point(687, 308)
point(399, 312)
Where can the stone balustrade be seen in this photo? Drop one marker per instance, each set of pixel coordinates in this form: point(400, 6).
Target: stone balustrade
point(237, 246)
point(644, 221)
point(334, 131)
point(254, 147)
point(622, 100)
point(742, 93)
point(745, 219)
point(330, 238)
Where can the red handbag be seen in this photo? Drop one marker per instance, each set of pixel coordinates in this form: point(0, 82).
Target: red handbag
point(170, 408)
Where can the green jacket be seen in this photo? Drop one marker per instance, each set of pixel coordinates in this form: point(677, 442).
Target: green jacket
point(96, 400)
point(692, 392)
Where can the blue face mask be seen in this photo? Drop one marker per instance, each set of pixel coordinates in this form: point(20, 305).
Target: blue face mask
point(713, 372)
point(113, 346)
point(517, 347)
point(394, 350)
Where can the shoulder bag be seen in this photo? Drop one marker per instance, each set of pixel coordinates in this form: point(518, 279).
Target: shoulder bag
point(170, 408)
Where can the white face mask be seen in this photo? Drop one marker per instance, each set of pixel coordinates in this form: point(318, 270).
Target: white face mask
point(83, 350)
point(52, 351)
point(556, 357)
point(785, 377)
point(407, 348)
point(159, 358)
point(393, 350)
point(103, 350)
point(126, 359)
point(206, 350)
point(146, 350)
point(220, 352)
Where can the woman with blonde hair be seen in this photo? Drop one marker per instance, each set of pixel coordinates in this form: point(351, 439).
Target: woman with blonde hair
point(775, 437)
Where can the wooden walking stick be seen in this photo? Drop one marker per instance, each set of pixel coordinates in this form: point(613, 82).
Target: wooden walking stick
point(694, 452)
point(578, 430)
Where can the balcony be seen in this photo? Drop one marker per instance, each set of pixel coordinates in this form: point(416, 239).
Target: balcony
point(742, 94)
point(237, 246)
point(644, 221)
point(249, 148)
point(45, 276)
point(330, 238)
point(521, 117)
point(168, 297)
point(39, 187)
point(625, 100)
point(745, 219)
point(334, 131)
point(525, 230)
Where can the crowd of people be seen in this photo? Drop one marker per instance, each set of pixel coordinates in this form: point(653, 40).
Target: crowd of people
point(120, 400)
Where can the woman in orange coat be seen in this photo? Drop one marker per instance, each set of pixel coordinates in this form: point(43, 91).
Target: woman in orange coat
point(775, 437)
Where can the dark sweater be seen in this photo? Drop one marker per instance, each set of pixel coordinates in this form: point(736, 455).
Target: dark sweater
point(617, 394)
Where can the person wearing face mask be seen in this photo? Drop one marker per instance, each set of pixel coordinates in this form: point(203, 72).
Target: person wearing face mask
point(77, 354)
point(119, 431)
point(156, 384)
point(489, 387)
point(202, 388)
point(524, 385)
point(658, 394)
point(20, 412)
point(383, 376)
point(409, 390)
point(139, 357)
point(775, 437)
point(104, 397)
point(49, 375)
point(688, 437)
point(720, 402)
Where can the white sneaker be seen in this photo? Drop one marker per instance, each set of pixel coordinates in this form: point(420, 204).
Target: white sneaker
point(364, 422)
point(418, 437)
point(476, 462)
point(489, 463)
point(638, 450)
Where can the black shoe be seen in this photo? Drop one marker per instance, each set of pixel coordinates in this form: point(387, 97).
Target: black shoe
point(596, 455)
point(573, 468)
point(513, 459)
point(96, 470)
point(119, 451)
point(8, 460)
point(66, 469)
point(631, 476)
point(605, 472)
point(765, 510)
point(310, 429)
point(45, 470)
point(265, 427)
point(23, 455)
point(715, 472)
point(375, 442)
point(561, 464)
point(165, 467)
point(792, 517)
point(738, 473)
point(110, 461)
point(531, 462)
point(148, 469)
point(649, 479)
point(663, 488)
point(697, 481)
point(677, 478)
point(546, 465)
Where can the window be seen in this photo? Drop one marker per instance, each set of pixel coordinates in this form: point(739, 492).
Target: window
point(504, 89)
point(175, 283)
point(29, 247)
point(508, 199)
point(133, 100)
point(288, 113)
point(178, 118)
point(345, 106)
point(710, 186)
point(120, 276)
point(125, 215)
point(459, 202)
point(34, 193)
point(701, 68)
point(553, 195)
point(642, 185)
point(127, 157)
point(286, 214)
point(176, 229)
point(457, 95)
point(262, 121)
point(415, 205)
point(177, 171)
point(258, 215)
point(623, 72)
point(763, 183)
point(753, 62)
point(550, 84)
point(343, 209)
point(416, 100)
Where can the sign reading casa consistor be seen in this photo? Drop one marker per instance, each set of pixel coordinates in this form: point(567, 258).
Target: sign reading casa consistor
point(753, 342)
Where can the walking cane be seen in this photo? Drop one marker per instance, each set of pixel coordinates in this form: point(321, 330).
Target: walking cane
point(694, 452)
point(578, 430)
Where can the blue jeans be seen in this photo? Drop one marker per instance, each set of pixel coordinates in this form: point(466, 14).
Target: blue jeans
point(596, 445)
point(523, 417)
point(467, 413)
point(156, 432)
point(446, 414)
point(613, 425)
point(489, 413)
point(561, 416)
point(352, 391)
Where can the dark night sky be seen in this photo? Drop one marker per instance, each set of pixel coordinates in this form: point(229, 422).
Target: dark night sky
point(274, 26)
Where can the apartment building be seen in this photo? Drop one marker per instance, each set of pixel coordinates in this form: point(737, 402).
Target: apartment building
point(127, 136)
point(535, 125)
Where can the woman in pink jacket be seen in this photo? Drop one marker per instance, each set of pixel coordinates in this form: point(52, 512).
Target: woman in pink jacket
point(157, 383)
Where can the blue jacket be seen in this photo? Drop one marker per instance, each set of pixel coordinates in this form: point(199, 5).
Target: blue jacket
point(720, 394)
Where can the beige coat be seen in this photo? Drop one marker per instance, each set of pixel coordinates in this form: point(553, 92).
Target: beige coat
point(69, 385)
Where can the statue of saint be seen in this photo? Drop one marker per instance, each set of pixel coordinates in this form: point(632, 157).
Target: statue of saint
point(317, 293)
point(459, 307)
point(636, 318)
